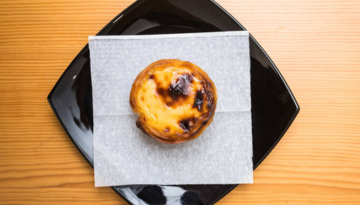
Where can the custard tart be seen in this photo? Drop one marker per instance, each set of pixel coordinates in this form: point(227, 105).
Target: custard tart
point(175, 100)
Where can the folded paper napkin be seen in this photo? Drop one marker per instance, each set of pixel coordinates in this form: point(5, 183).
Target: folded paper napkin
point(124, 155)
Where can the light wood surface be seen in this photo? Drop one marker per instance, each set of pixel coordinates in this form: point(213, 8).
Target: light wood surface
point(315, 44)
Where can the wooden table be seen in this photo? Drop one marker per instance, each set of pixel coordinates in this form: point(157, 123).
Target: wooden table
point(315, 44)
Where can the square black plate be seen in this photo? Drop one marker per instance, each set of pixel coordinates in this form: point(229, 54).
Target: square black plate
point(273, 105)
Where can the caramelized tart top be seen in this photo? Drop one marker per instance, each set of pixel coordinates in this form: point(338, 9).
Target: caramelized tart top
point(175, 100)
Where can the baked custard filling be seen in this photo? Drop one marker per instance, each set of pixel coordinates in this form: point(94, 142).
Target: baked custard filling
point(175, 100)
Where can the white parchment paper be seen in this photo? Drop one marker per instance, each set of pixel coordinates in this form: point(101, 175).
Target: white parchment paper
point(123, 155)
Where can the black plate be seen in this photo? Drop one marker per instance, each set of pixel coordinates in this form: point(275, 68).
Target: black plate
point(273, 105)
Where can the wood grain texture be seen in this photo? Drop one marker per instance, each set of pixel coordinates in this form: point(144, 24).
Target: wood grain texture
point(315, 44)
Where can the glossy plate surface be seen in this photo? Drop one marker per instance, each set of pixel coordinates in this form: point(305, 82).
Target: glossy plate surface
point(273, 105)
